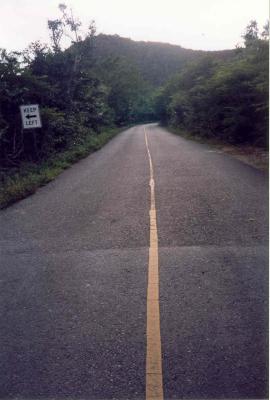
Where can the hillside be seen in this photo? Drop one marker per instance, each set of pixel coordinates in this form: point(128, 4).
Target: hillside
point(157, 62)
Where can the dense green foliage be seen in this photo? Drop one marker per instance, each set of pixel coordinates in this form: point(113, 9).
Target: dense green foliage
point(73, 101)
point(222, 99)
point(78, 93)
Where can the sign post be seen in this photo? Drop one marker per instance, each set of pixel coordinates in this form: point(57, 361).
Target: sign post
point(30, 116)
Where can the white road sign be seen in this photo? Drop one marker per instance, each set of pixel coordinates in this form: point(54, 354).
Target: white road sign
point(30, 116)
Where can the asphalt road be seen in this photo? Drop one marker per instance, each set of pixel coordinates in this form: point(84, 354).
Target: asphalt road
point(74, 261)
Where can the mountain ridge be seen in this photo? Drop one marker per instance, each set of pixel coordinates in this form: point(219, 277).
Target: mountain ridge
point(157, 61)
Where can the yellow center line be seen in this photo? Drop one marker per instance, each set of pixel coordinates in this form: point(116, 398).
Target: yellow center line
point(154, 380)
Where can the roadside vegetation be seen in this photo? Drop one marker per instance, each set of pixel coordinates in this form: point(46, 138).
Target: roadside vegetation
point(96, 85)
point(19, 183)
point(222, 100)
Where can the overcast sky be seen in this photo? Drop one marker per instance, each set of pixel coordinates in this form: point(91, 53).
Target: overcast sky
point(195, 24)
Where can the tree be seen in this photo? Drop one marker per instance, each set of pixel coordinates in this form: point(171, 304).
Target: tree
point(228, 100)
point(265, 32)
point(251, 33)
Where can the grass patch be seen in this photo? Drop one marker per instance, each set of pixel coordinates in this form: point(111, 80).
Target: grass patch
point(16, 185)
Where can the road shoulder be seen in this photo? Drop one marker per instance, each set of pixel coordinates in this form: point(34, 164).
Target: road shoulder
point(255, 156)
